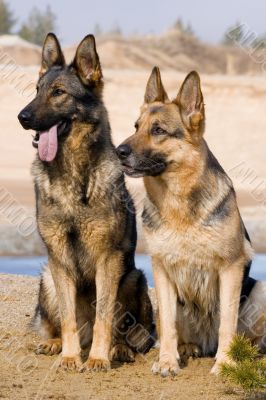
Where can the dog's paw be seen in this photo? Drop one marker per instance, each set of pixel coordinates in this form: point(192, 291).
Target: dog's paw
point(189, 350)
point(122, 353)
point(216, 369)
point(166, 367)
point(49, 347)
point(71, 363)
point(96, 365)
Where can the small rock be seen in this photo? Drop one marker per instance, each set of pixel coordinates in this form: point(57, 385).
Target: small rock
point(17, 385)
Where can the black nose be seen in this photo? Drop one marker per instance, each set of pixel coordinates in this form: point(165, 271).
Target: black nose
point(24, 118)
point(123, 151)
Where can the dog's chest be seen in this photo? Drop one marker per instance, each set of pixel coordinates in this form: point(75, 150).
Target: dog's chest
point(193, 247)
point(66, 193)
point(66, 211)
point(190, 257)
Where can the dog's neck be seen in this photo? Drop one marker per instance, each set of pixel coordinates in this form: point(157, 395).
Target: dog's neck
point(178, 181)
point(85, 153)
point(79, 155)
point(77, 150)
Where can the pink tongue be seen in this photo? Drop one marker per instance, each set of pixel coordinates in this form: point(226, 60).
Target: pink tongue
point(47, 146)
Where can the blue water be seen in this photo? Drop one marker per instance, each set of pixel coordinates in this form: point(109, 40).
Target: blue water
point(33, 265)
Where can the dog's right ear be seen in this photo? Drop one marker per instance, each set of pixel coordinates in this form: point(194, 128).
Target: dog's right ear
point(87, 62)
point(154, 89)
point(51, 53)
point(191, 104)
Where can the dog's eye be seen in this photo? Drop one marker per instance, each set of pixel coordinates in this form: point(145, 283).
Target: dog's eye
point(157, 130)
point(136, 126)
point(58, 92)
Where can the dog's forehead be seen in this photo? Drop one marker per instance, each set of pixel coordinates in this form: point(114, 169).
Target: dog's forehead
point(48, 78)
point(160, 111)
point(64, 77)
point(60, 75)
point(156, 109)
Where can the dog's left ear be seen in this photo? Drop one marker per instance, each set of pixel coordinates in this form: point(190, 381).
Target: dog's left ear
point(87, 63)
point(190, 101)
point(52, 54)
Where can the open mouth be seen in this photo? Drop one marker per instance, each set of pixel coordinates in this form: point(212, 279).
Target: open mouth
point(47, 141)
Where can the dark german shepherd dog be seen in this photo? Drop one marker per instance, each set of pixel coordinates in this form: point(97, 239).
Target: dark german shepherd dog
point(90, 291)
point(201, 252)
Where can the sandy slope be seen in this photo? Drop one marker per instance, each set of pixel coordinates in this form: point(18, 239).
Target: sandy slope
point(171, 49)
point(27, 376)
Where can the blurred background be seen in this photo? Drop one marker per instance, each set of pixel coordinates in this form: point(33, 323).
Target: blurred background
point(224, 41)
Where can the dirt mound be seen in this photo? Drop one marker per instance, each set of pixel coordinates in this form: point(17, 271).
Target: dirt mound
point(14, 49)
point(172, 50)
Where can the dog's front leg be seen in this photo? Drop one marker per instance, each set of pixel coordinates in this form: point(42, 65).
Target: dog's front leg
point(167, 303)
point(108, 272)
point(66, 295)
point(230, 289)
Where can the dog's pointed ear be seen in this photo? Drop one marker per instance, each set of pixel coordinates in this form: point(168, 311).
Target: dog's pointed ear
point(51, 53)
point(87, 62)
point(154, 89)
point(191, 103)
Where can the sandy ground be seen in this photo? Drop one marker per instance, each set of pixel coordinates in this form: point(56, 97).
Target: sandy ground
point(236, 126)
point(25, 375)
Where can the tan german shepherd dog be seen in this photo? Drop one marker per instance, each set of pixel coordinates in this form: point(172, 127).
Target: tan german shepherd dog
point(201, 252)
point(91, 290)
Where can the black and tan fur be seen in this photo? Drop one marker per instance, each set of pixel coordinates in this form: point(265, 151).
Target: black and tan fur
point(90, 291)
point(201, 252)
